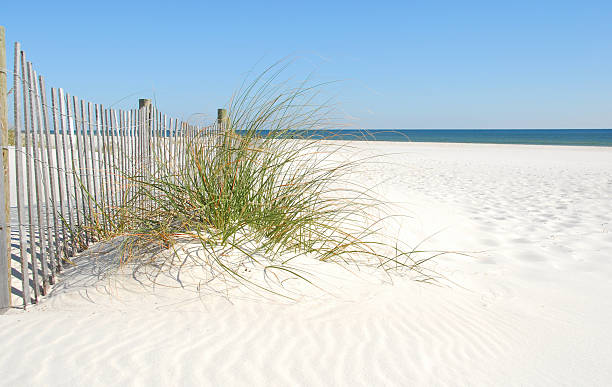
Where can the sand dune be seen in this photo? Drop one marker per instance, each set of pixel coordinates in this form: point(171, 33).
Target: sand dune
point(529, 306)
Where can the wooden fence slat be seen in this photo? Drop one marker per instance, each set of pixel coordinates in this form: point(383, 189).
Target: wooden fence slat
point(187, 141)
point(100, 156)
point(120, 153)
point(159, 159)
point(165, 138)
point(102, 162)
point(5, 220)
point(46, 234)
point(116, 156)
point(153, 143)
point(179, 144)
point(52, 173)
point(80, 176)
point(162, 149)
point(181, 150)
point(126, 123)
point(5, 246)
point(61, 210)
point(119, 156)
point(111, 165)
point(133, 150)
point(36, 124)
point(153, 148)
point(113, 159)
point(92, 166)
point(107, 156)
point(92, 162)
point(183, 142)
point(28, 112)
point(158, 143)
point(146, 142)
point(49, 205)
point(126, 158)
point(170, 145)
point(147, 148)
point(105, 151)
point(74, 175)
point(128, 152)
point(139, 150)
point(93, 126)
point(85, 173)
point(85, 176)
point(175, 146)
point(71, 243)
point(5, 217)
point(113, 148)
point(17, 87)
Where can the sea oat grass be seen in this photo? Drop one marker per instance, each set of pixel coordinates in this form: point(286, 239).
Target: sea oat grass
point(261, 189)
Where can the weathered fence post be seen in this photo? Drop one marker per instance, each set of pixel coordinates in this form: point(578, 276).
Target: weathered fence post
point(142, 154)
point(143, 102)
point(144, 107)
point(221, 117)
point(5, 242)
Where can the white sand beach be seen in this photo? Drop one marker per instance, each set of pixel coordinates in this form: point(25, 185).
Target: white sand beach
point(529, 303)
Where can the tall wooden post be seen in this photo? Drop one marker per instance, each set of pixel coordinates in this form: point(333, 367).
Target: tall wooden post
point(144, 102)
point(221, 117)
point(5, 235)
point(143, 155)
point(144, 107)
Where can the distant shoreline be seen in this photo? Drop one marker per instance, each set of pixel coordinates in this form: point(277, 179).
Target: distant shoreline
point(569, 137)
point(561, 137)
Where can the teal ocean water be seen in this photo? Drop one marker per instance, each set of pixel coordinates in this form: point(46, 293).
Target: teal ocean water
point(588, 137)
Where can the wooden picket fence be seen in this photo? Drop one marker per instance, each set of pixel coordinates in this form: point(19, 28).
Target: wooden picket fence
point(73, 166)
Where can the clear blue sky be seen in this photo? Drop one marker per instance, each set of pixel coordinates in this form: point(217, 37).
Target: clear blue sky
point(429, 64)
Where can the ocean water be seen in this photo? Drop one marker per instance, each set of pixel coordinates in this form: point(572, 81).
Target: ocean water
point(588, 137)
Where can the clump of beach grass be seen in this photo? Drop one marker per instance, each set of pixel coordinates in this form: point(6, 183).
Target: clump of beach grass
point(261, 193)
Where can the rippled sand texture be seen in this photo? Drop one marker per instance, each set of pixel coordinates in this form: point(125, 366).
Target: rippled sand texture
point(532, 304)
